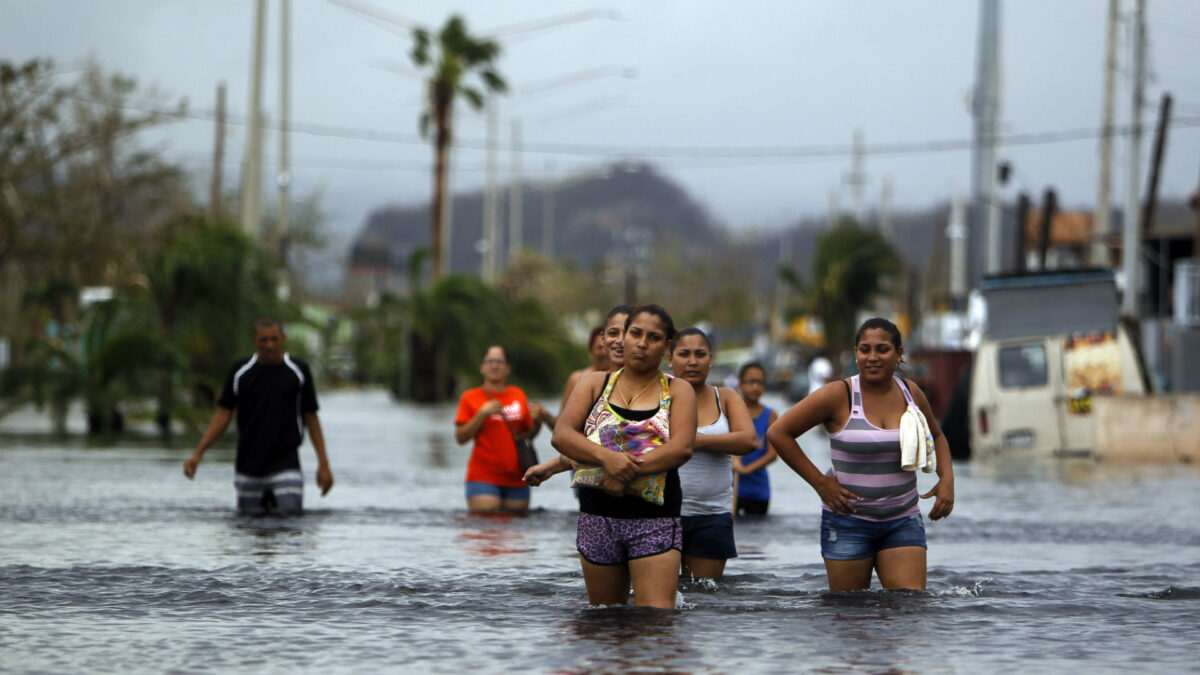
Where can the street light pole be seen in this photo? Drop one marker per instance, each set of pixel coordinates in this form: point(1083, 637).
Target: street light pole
point(285, 100)
point(515, 215)
point(491, 231)
point(1130, 256)
point(252, 176)
point(548, 212)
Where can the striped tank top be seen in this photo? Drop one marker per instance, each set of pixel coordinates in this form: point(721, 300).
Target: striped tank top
point(866, 460)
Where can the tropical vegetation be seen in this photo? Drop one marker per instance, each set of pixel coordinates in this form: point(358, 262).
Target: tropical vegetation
point(850, 269)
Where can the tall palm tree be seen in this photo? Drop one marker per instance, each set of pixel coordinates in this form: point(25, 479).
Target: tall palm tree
point(451, 57)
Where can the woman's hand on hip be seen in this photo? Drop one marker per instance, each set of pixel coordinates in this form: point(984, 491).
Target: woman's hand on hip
point(835, 495)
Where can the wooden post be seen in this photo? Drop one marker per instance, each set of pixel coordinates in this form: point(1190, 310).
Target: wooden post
point(1049, 206)
point(1160, 141)
point(214, 197)
point(1023, 203)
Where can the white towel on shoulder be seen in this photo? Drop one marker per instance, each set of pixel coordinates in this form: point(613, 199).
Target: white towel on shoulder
point(916, 442)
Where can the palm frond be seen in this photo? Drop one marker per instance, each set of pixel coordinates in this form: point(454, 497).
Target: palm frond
point(473, 96)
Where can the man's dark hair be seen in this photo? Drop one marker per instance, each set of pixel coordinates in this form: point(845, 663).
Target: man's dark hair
point(265, 322)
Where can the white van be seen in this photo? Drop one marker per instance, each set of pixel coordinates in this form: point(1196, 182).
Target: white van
point(1050, 343)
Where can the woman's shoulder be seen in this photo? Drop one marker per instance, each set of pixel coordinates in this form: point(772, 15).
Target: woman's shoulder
point(832, 395)
point(914, 389)
point(592, 382)
point(678, 385)
point(592, 377)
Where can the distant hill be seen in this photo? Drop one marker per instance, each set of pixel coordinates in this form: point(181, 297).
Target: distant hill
point(634, 211)
point(592, 216)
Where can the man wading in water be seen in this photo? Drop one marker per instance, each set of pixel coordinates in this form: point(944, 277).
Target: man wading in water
point(275, 400)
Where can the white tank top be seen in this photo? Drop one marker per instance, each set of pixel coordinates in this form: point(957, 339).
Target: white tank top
point(707, 478)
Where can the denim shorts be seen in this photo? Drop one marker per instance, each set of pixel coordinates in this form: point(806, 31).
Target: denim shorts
point(709, 536)
point(602, 540)
point(848, 538)
point(476, 488)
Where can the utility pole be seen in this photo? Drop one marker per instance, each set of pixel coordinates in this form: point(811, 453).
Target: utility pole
point(252, 171)
point(284, 177)
point(1049, 208)
point(1195, 202)
point(835, 207)
point(885, 209)
point(781, 290)
point(956, 232)
point(985, 109)
point(515, 216)
point(1160, 143)
point(1102, 222)
point(491, 233)
point(1023, 206)
point(214, 196)
point(1158, 301)
point(1131, 255)
point(856, 178)
point(548, 211)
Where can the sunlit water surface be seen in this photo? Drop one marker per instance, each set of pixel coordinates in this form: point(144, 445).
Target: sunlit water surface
point(111, 561)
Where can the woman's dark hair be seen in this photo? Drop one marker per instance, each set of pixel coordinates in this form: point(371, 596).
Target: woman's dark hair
point(500, 347)
point(748, 366)
point(653, 310)
point(691, 330)
point(598, 331)
point(882, 324)
point(619, 309)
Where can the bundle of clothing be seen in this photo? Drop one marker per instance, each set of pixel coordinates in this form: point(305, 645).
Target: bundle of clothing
point(916, 442)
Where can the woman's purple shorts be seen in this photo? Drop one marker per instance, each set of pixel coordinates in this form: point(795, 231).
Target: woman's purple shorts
point(613, 541)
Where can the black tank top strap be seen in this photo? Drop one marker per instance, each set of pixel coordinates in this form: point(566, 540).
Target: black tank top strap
point(603, 386)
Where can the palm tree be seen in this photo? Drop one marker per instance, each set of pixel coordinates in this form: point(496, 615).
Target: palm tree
point(849, 269)
point(451, 57)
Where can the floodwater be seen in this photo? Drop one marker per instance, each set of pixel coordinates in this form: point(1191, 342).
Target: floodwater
point(110, 560)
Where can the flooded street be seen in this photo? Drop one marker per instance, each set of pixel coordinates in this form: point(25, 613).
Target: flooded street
point(112, 560)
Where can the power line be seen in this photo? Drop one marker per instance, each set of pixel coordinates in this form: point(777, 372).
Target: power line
point(732, 152)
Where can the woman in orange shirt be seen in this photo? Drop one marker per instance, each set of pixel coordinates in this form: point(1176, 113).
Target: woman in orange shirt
point(490, 414)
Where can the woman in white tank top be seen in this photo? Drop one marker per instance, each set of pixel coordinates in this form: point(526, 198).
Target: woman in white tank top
point(724, 429)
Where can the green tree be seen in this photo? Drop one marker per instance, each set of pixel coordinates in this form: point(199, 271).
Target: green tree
point(166, 339)
point(78, 198)
point(428, 344)
point(451, 57)
point(849, 268)
point(205, 286)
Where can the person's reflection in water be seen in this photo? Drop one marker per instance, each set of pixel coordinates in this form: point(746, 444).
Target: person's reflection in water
point(875, 641)
point(629, 639)
point(438, 457)
point(269, 536)
point(493, 534)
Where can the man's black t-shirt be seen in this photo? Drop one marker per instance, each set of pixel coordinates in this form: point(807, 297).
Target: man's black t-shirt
point(270, 402)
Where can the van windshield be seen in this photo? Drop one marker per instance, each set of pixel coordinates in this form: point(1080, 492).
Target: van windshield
point(1023, 366)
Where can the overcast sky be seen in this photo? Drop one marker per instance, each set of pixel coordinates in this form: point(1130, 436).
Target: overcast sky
point(745, 78)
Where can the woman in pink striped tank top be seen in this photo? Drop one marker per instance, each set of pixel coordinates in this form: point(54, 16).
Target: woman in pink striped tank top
point(870, 519)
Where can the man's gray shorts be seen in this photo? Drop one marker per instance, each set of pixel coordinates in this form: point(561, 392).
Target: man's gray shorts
point(281, 492)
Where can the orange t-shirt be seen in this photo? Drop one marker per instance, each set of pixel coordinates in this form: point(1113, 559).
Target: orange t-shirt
point(494, 457)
